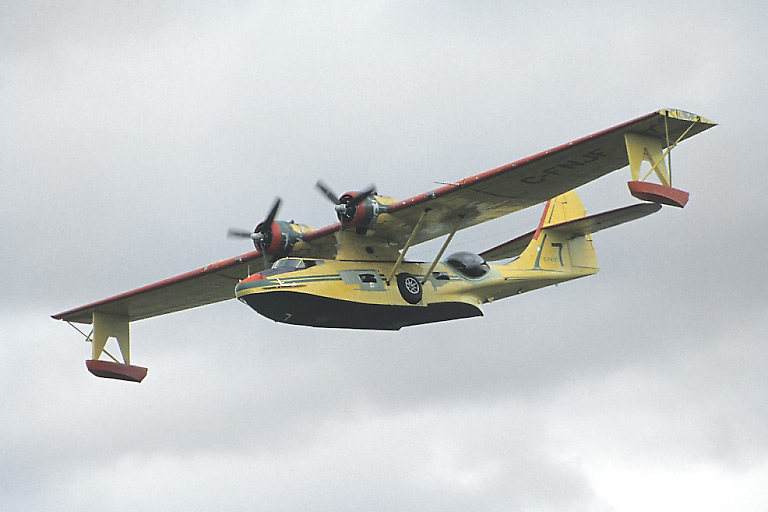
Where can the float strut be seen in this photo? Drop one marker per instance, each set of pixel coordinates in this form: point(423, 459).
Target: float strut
point(105, 326)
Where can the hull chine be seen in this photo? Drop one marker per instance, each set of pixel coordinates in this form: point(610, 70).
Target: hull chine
point(317, 311)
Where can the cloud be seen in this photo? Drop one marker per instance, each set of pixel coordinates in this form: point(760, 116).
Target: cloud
point(134, 136)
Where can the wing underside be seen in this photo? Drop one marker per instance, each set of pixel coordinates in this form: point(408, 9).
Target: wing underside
point(206, 285)
point(532, 180)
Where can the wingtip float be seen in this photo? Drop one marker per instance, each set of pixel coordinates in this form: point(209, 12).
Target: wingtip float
point(354, 274)
point(654, 149)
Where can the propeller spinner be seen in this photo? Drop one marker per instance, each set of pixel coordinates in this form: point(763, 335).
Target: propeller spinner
point(268, 236)
point(347, 204)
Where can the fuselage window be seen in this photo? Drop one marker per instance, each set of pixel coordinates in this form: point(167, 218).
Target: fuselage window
point(468, 264)
point(441, 276)
point(367, 278)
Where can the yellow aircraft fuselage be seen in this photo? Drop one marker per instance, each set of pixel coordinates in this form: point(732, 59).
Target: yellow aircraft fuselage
point(357, 295)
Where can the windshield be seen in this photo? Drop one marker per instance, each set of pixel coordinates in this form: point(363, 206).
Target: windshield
point(288, 264)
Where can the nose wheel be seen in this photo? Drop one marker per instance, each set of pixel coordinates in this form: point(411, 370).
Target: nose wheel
point(410, 288)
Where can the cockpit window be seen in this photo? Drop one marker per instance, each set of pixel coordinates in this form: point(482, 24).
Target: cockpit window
point(468, 264)
point(289, 264)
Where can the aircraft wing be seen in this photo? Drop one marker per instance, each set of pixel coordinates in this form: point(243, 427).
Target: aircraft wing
point(206, 285)
point(475, 199)
point(529, 181)
point(213, 283)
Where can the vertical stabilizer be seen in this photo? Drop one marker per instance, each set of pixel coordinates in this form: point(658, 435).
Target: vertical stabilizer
point(557, 248)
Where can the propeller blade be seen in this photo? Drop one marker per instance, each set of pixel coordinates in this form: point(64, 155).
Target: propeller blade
point(267, 226)
point(263, 230)
point(327, 192)
point(363, 195)
point(239, 233)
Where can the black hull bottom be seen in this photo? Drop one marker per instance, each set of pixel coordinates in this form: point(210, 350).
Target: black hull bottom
point(305, 309)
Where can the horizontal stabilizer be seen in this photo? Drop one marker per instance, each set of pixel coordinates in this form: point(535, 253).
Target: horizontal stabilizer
point(573, 228)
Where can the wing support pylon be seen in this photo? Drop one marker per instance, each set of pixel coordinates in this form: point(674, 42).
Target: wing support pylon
point(107, 326)
point(649, 148)
point(407, 246)
point(442, 249)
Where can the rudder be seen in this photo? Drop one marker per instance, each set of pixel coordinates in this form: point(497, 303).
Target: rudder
point(560, 250)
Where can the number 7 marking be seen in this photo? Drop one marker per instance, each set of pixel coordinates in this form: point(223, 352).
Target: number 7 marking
point(559, 252)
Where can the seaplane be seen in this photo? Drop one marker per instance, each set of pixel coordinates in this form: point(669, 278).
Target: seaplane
point(356, 274)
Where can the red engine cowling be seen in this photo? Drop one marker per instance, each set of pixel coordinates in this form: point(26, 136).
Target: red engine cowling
point(278, 240)
point(357, 213)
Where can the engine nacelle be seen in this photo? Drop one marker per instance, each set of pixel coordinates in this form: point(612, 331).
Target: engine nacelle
point(278, 240)
point(361, 215)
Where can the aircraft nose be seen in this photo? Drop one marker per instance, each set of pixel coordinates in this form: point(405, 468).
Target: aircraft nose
point(253, 277)
point(250, 282)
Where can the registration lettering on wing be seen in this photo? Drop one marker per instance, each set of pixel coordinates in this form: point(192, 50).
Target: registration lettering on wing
point(564, 166)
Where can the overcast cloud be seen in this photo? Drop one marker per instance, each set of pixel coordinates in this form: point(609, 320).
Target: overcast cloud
point(132, 135)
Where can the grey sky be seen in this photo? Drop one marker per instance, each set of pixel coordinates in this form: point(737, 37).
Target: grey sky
point(132, 136)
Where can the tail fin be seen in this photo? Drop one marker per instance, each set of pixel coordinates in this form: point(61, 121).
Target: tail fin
point(559, 244)
point(562, 242)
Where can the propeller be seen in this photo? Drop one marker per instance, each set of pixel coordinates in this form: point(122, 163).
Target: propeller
point(346, 205)
point(325, 190)
point(263, 235)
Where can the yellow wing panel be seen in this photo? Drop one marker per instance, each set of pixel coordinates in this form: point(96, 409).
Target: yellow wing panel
point(530, 181)
point(206, 285)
